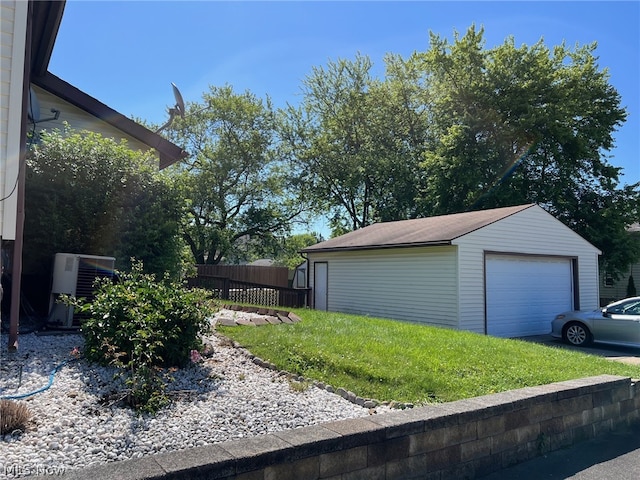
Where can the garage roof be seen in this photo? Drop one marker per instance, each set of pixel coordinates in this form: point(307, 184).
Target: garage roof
point(440, 230)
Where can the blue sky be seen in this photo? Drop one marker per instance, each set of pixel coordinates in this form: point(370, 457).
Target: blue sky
point(126, 54)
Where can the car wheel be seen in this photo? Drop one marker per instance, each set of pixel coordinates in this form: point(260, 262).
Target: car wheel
point(576, 334)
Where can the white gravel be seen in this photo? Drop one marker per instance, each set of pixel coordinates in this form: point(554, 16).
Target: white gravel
point(226, 397)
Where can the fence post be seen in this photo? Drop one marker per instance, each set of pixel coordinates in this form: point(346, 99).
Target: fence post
point(226, 285)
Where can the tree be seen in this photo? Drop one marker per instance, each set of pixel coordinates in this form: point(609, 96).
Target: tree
point(353, 142)
point(514, 125)
point(288, 252)
point(233, 182)
point(89, 194)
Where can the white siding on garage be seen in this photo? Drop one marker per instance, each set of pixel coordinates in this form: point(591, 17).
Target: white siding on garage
point(417, 284)
point(524, 293)
point(531, 231)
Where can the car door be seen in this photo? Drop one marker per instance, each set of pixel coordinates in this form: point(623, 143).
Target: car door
point(619, 323)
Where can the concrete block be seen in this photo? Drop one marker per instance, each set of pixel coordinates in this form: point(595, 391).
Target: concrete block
point(284, 318)
point(539, 413)
point(304, 469)
point(475, 449)
point(357, 432)
point(259, 321)
point(405, 422)
point(574, 404)
point(254, 453)
point(516, 419)
point(313, 440)
point(273, 320)
point(444, 437)
point(369, 473)
point(552, 426)
point(439, 459)
point(138, 469)
point(343, 461)
point(392, 449)
point(528, 433)
point(411, 467)
point(295, 318)
point(492, 426)
point(255, 475)
point(504, 441)
point(210, 462)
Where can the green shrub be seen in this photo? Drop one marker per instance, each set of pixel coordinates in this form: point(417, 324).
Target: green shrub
point(141, 325)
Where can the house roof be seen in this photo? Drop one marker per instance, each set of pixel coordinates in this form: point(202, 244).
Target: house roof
point(169, 152)
point(46, 18)
point(440, 230)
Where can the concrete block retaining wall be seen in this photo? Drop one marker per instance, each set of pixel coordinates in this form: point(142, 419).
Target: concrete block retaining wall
point(462, 439)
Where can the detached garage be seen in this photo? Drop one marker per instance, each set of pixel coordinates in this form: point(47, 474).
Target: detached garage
point(505, 272)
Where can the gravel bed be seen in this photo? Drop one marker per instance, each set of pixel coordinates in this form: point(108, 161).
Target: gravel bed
point(225, 397)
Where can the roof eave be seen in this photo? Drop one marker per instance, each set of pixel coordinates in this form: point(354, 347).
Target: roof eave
point(169, 153)
point(377, 247)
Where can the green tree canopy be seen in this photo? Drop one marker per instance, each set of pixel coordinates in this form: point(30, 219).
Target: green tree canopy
point(234, 184)
point(355, 142)
point(514, 125)
point(92, 195)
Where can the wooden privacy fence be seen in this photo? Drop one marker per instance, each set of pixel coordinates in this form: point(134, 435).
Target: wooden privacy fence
point(249, 292)
point(273, 276)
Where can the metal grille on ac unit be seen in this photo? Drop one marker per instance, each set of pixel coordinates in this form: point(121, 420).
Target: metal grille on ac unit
point(74, 275)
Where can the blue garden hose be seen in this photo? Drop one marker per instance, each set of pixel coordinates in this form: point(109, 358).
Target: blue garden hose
point(40, 390)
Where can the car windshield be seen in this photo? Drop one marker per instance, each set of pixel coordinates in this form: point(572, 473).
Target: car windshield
point(631, 307)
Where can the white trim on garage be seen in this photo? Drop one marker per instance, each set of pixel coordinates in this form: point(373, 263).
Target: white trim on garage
point(525, 292)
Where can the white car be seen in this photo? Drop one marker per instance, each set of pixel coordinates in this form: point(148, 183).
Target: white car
point(617, 324)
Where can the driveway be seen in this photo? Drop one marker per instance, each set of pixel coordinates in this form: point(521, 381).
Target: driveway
point(628, 355)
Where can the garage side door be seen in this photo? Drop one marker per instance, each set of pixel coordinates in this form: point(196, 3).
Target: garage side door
point(524, 294)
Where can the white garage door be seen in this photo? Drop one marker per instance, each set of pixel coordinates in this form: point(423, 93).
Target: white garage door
point(524, 294)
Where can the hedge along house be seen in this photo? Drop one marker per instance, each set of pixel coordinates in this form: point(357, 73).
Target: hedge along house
point(505, 272)
point(29, 30)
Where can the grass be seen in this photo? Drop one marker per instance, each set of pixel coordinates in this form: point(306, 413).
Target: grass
point(391, 360)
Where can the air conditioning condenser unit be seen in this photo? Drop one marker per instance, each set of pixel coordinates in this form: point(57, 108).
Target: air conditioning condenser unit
point(74, 274)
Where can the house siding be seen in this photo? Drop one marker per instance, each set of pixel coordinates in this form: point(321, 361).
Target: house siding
point(13, 25)
point(521, 234)
point(78, 119)
point(415, 284)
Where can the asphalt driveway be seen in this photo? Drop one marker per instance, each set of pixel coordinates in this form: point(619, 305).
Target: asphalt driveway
point(629, 355)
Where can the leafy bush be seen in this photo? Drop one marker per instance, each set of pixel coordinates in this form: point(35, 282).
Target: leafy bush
point(140, 325)
point(13, 416)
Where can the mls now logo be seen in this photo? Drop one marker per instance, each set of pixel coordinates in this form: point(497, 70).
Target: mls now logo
point(20, 470)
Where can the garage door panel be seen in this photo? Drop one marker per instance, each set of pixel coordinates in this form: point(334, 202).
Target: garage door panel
point(525, 293)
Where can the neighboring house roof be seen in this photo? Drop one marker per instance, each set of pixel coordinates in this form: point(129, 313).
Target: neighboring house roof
point(440, 230)
point(634, 228)
point(46, 18)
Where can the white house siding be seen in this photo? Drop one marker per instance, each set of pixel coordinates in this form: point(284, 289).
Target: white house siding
point(78, 119)
point(13, 28)
point(618, 291)
point(531, 231)
point(415, 284)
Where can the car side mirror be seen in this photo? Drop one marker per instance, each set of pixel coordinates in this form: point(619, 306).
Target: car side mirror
point(605, 313)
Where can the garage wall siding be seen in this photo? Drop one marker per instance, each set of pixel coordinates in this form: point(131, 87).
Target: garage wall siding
point(414, 284)
point(531, 231)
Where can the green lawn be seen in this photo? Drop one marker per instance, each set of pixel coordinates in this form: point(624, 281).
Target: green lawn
point(391, 360)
